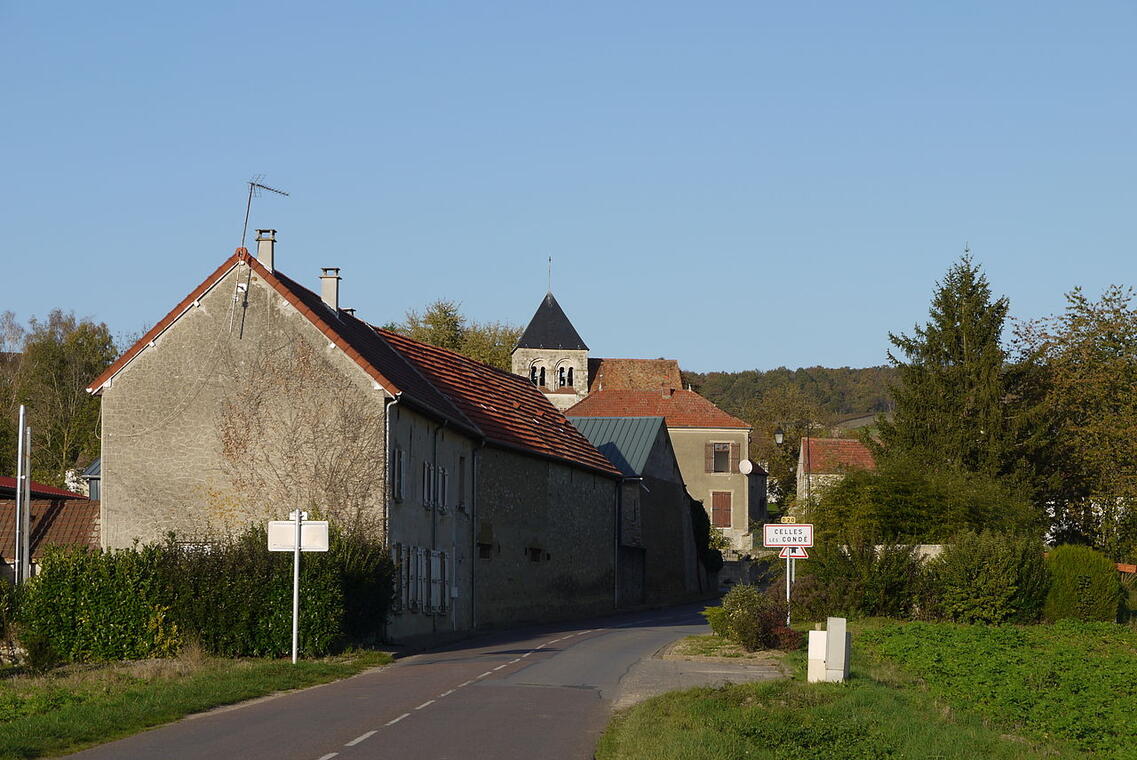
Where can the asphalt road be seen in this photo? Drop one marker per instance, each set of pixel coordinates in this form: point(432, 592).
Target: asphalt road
point(537, 692)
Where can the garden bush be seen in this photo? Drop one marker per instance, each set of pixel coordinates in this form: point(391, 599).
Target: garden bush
point(987, 577)
point(757, 620)
point(716, 619)
point(1084, 585)
point(234, 597)
point(858, 580)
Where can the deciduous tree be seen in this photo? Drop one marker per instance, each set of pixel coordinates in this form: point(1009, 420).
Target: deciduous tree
point(60, 356)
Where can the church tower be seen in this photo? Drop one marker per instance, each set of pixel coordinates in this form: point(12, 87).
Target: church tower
point(552, 355)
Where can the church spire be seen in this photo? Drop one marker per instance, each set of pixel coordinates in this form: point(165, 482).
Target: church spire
point(551, 328)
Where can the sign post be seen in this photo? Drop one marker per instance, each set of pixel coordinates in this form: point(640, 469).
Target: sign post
point(297, 534)
point(793, 538)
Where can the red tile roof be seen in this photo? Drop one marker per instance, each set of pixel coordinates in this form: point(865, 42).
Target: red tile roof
point(827, 456)
point(501, 407)
point(633, 374)
point(508, 409)
point(55, 522)
point(679, 407)
point(39, 490)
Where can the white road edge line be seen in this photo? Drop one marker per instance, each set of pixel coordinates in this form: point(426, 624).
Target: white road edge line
point(487, 673)
point(396, 720)
point(427, 703)
point(527, 654)
point(499, 667)
point(362, 738)
point(328, 756)
point(446, 693)
point(465, 684)
point(515, 659)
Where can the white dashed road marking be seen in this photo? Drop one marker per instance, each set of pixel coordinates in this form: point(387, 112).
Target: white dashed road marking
point(427, 703)
point(328, 756)
point(396, 720)
point(446, 693)
point(359, 739)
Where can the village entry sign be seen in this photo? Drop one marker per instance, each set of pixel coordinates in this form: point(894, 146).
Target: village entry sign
point(792, 539)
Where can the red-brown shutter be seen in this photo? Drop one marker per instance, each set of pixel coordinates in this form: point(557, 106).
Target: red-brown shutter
point(709, 451)
point(720, 509)
point(734, 457)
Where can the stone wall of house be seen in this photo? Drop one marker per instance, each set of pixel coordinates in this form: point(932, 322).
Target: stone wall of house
point(195, 437)
point(552, 360)
point(546, 539)
point(690, 451)
point(431, 511)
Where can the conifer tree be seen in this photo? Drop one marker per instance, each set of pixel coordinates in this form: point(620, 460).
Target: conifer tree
point(949, 401)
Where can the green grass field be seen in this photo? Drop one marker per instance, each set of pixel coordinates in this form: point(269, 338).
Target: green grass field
point(918, 690)
point(77, 706)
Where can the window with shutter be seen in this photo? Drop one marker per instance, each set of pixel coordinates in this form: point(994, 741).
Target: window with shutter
point(720, 508)
point(709, 456)
point(722, 454)
point(734, 457)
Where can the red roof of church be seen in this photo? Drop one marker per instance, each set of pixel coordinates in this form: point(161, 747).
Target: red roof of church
point(680, 408)
point(633, 374)
point(824, 456)
point(484, 401)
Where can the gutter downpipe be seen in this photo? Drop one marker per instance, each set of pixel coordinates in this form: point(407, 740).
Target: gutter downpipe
point(434, 514)
point(389, 496)
point(475, 458)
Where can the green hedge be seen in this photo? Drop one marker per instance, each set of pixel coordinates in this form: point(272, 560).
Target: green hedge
point(234, 597)
point(987, 577)
point(1085, 585)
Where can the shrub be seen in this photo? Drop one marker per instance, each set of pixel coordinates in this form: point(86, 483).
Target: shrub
point(233, 597)
point(757, 619)
point(988, 577)
point(858, 580)
point(1084, 585)
point(716, 618)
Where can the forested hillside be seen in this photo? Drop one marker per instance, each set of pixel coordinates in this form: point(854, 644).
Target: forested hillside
point(840, 391)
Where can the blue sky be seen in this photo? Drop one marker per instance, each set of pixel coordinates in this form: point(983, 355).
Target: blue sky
point(736, 185)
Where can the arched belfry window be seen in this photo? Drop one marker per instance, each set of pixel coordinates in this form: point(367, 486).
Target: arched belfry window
point(560, 377)
point(570, 377)
point(541, 377)
point(533, 374)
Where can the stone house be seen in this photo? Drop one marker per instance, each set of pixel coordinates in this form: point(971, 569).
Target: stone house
point(57, 518)
point(711, 446)
point(255, 396)
point(824, 461)
point(658, 558)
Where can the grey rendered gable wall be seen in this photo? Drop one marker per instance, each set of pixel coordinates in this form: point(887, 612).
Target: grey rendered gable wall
point(162, 459)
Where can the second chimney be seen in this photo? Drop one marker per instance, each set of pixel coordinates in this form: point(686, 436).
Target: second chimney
point(266, 244)
point(330, 287)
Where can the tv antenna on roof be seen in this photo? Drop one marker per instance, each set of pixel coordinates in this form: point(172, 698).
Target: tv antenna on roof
point(255, 186)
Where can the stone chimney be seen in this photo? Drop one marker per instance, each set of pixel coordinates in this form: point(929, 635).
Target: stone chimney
point(266, 244)
point(330, 287)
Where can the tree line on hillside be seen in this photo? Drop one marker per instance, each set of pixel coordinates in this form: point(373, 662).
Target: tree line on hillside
point(46, 365)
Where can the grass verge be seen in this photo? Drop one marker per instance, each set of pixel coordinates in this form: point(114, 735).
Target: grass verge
point(880, 713)
point(79, 706)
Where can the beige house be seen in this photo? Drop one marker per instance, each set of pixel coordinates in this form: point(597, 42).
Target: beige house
point(255, 396)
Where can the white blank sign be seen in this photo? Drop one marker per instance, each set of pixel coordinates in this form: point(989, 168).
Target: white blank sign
point(313, 536)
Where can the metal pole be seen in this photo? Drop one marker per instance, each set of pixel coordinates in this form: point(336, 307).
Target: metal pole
point(20, 505)
point(787, 591)
point(26, 522)
point(296, 588)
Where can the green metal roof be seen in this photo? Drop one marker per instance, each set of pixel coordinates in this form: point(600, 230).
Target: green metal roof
point(625, 441)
